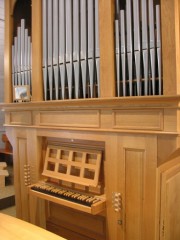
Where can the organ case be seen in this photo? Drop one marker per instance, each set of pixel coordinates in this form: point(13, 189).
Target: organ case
point(142, 131)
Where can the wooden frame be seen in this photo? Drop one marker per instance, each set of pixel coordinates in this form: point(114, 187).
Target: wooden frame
point(170, 17)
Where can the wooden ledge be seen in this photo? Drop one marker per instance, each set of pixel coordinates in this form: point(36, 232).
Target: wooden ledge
point(94, 103)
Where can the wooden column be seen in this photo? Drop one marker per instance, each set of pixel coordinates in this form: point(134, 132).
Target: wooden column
point(177, 37)
point(170, 18)
point(37, 78)
point(107, 61)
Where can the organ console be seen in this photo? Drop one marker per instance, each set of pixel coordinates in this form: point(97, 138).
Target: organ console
point(80, 170)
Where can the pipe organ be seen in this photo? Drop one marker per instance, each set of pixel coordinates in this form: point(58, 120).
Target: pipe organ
point(96, 147)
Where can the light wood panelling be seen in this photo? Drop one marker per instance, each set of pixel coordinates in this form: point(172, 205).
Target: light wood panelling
point(138, 119)
point(20, 118)
point(177, 37)
point(72, 118)
point(129, 128)
point(37, 80)
point(170, 197)
point(134, 177)
point(169, 47)
point(170, 120)
point(137, 184)
point(92, 225)
point(107, 62)
point(22, 156)
point(163, 151)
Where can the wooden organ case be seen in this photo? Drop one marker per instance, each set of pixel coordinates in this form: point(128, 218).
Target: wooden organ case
point(107, 104)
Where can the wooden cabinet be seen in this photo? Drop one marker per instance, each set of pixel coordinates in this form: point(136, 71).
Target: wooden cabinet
point(148, 189)
point(140, 135)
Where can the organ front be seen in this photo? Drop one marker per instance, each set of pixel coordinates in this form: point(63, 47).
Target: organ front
point(92, 111)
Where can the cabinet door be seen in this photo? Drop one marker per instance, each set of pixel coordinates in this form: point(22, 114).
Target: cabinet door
point(137, 185)
point(170, 204)
point(20, 161)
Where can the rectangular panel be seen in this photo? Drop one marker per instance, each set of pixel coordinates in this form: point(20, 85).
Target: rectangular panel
point(22, 158)
point(138, 119)
point(20, 118)
point(134, 176)
point(83, 118)
point(80, 222)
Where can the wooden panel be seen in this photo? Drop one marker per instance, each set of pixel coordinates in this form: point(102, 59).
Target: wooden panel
point(138, 119)
point(177, 36)
point(37, 79)
point(170, 197)
point(84, 118)
point(166, 146)
point(21, 118)
point(66, 233)
point(22, 158)
point(134, 176)
point(169, 47)
point(136, 169)
point(82, 223)
point(170, 120)
point(107, 65)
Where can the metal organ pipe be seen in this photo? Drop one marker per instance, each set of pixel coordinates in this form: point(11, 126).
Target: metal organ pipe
point(70, 49)
point(138, 36)
point(21, 57)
